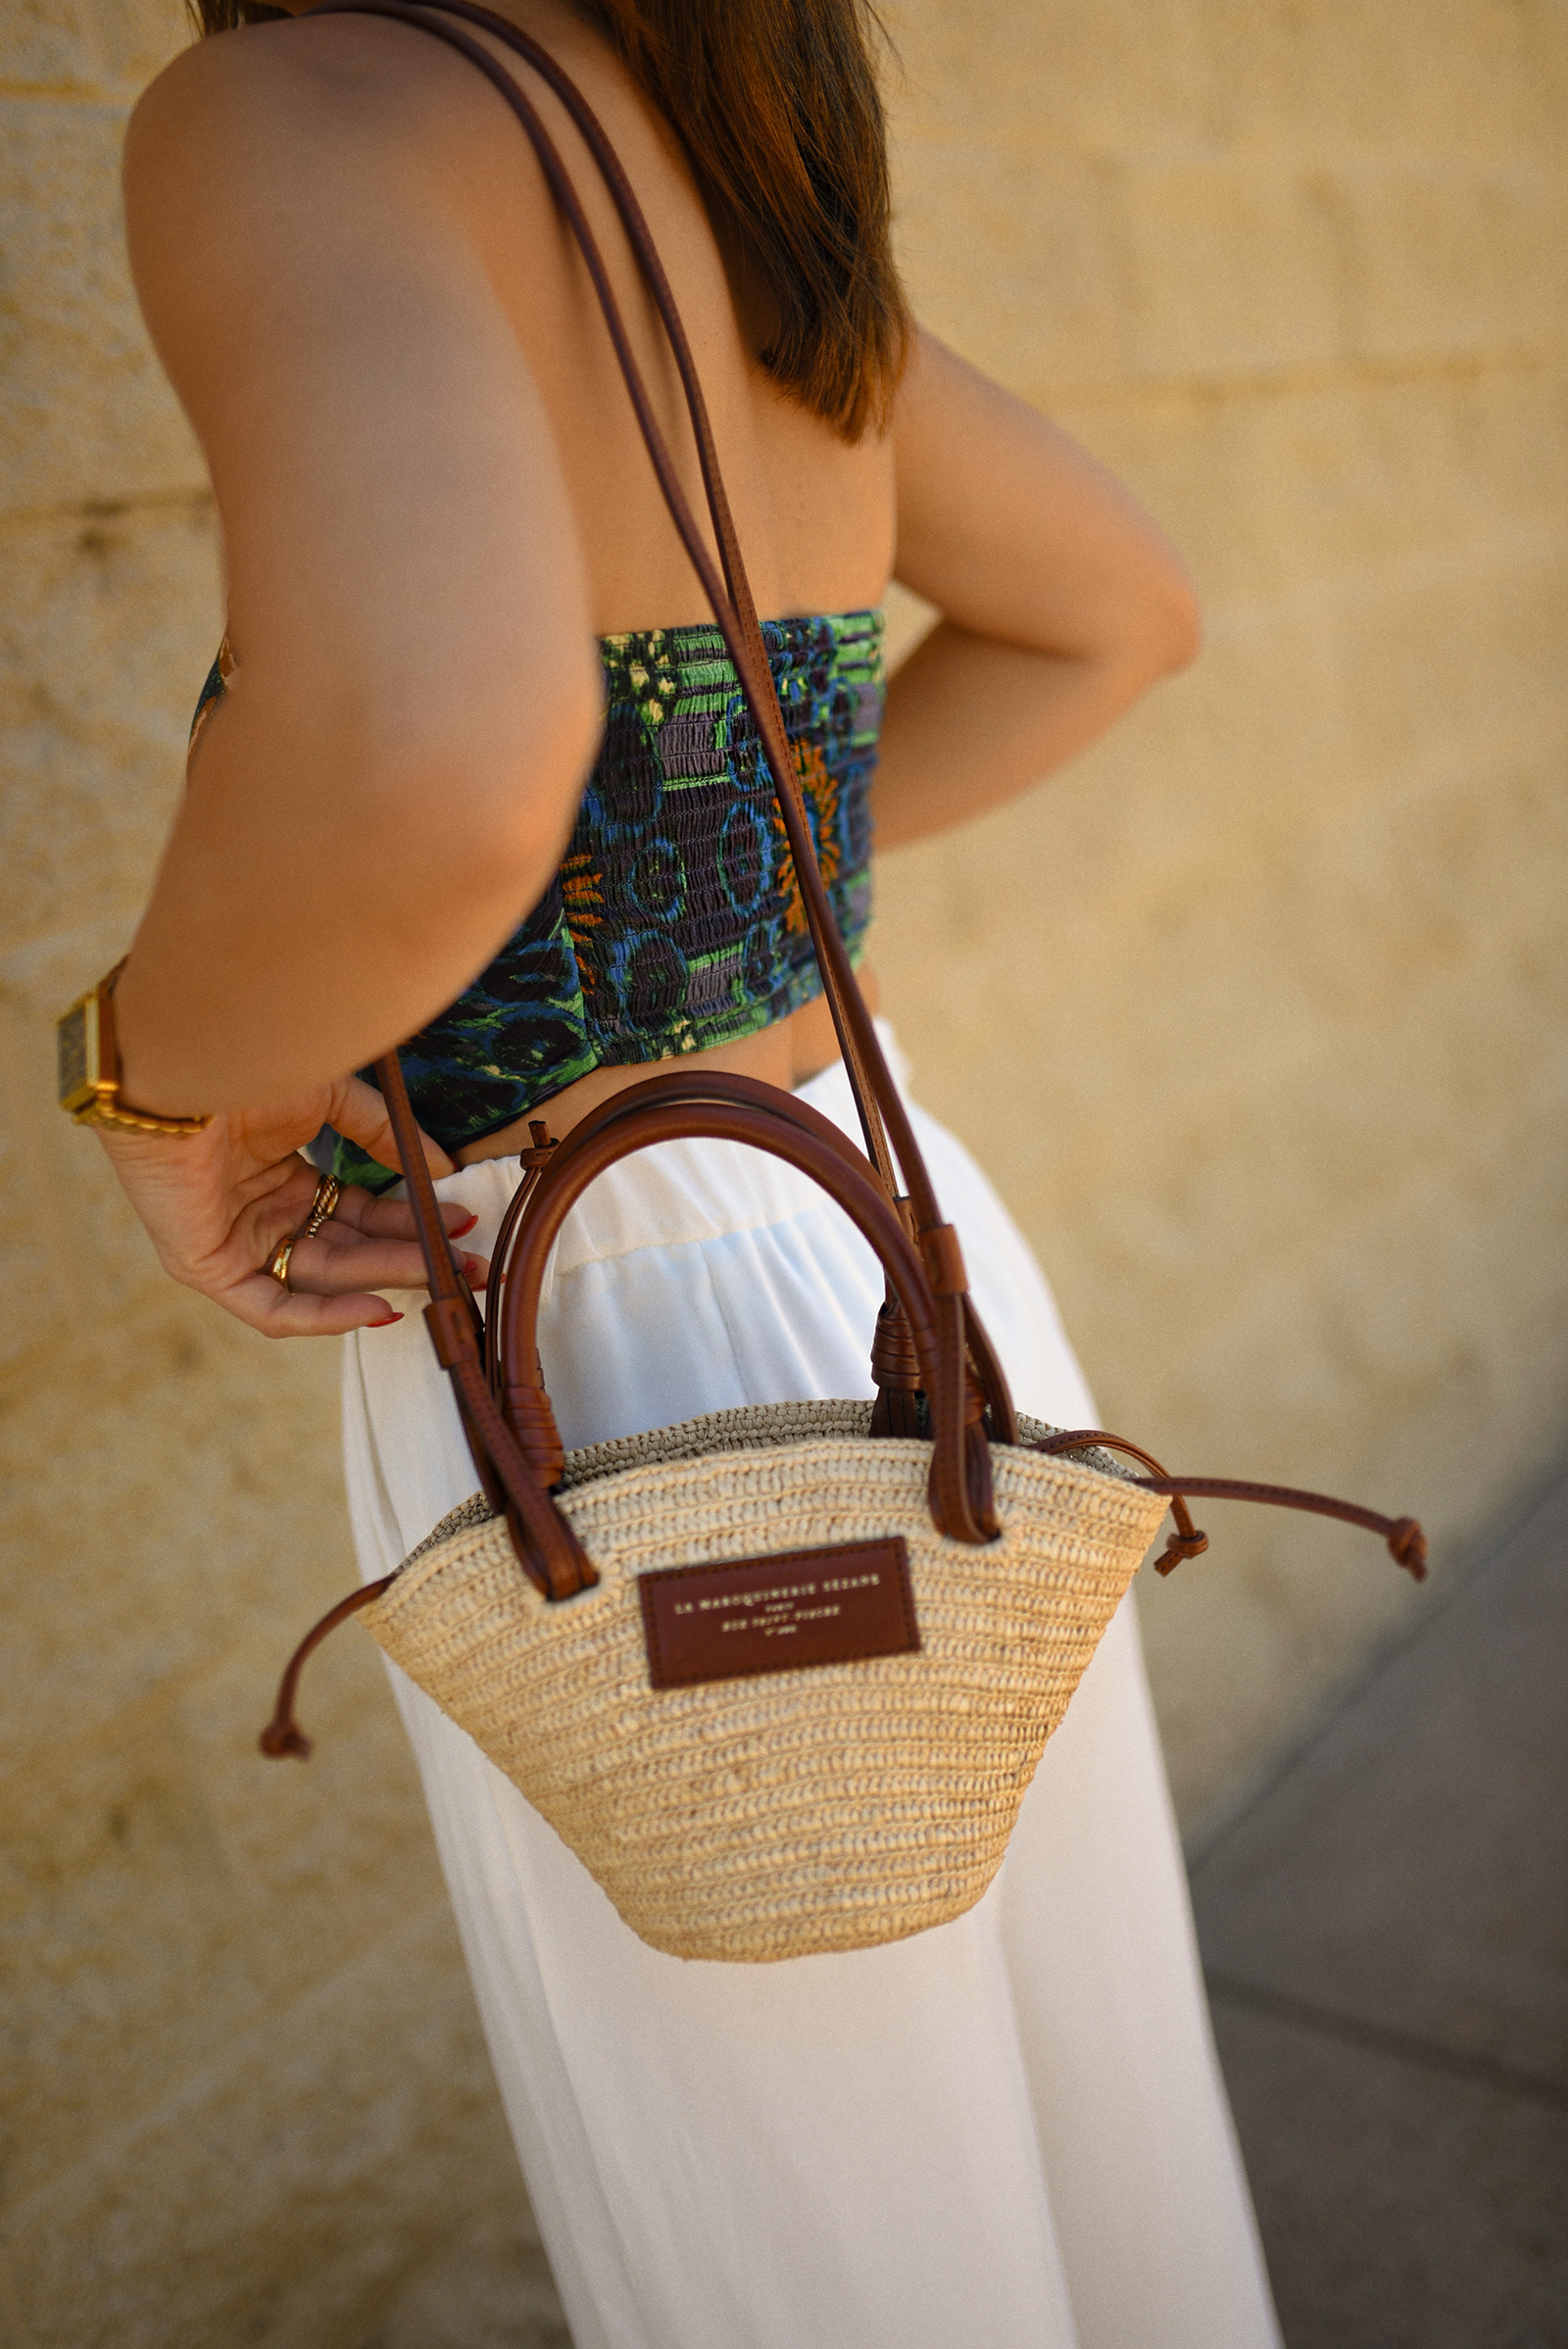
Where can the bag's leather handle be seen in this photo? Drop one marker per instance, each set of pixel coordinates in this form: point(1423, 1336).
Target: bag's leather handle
point(686, 1085)
point(728, 1109)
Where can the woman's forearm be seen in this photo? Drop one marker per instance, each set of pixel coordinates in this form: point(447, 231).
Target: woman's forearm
point(1061, 601)
point(972, 722)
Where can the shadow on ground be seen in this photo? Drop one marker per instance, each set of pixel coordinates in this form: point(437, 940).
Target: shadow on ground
point(1385, 1934)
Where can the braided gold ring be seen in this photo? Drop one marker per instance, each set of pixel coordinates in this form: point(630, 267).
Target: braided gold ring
point(328, 1191)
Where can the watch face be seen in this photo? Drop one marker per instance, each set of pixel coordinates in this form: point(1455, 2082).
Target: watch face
point(77, 1038)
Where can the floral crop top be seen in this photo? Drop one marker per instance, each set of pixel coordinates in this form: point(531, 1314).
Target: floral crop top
point(673, 923)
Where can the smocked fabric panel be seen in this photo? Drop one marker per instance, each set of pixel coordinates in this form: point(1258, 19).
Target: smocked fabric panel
point(676, 923)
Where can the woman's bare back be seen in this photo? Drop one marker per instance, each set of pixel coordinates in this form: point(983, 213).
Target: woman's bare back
point(814, 514)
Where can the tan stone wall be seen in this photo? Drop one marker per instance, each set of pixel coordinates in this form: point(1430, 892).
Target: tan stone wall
point(1257, 1014)
point(245, 2095)
point(1295, 270)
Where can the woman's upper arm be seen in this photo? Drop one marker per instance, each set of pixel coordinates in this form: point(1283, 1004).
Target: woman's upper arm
point(402, 560)
point(1014, 532)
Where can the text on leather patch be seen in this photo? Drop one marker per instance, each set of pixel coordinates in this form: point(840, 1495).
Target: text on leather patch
point(780, 1614)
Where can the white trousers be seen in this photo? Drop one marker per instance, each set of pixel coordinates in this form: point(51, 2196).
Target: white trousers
point(1010, 2131)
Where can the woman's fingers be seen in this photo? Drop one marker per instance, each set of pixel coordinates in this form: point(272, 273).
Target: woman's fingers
point(359, 1112)
point(333, 1267)
point(393, 1219)
point(277, 1313)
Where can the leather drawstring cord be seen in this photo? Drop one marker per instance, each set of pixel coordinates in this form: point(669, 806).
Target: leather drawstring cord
point(284, 1734)
point(1186, 1541)
point(1407, 1543)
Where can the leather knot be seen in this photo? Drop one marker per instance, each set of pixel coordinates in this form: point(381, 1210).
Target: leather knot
point(532, 1421)
point(280, 1738)
point(893, 1360)
point(1407, 1548)
point(1181, 1546)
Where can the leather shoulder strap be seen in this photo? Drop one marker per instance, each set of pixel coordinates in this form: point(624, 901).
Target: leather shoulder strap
point(881, 1110)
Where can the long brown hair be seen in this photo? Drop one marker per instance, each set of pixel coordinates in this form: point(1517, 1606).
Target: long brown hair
point(778, 106)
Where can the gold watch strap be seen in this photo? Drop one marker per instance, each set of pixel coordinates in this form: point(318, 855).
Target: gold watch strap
point(89, 1069)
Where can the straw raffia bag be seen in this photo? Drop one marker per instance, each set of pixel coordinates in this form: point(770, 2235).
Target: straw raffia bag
point(781, 1677)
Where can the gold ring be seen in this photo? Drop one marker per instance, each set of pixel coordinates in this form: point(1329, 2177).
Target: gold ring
point(278, 1263)
point(328, 1191)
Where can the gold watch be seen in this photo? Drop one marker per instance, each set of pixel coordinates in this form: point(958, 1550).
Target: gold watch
point(89, 1068)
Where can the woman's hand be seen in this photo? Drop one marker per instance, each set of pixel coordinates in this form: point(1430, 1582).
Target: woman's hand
point(218, 1203)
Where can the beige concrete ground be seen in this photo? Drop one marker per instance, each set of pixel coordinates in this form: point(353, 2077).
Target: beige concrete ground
point(1386, 1935)
point(1257, 1016)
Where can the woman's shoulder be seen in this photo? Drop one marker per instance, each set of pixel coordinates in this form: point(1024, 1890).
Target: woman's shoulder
point(267, 166)
point(267, 79)
point(244, 131)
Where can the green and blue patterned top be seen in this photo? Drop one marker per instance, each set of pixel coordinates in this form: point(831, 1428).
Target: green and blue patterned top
point(674, 922)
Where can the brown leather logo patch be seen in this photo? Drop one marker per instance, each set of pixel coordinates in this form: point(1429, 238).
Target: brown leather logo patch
point(809, 1606)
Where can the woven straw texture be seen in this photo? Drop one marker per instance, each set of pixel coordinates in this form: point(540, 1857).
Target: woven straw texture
point(832, 1807)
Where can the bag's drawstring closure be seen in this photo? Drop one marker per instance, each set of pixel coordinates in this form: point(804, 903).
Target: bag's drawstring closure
point(1408, 1547)
point(1407, 1543)
point(1186, 1541)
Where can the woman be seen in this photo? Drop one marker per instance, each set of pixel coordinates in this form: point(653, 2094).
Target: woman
point(434, 501)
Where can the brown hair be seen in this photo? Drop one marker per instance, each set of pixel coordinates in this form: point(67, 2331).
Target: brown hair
point(778, 107)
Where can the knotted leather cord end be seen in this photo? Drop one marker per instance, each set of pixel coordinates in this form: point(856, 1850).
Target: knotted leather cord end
point(281, 1738)
point(1181, 1546)
point(1407, 1548)
point(284, 1736)
point(1187, 1541)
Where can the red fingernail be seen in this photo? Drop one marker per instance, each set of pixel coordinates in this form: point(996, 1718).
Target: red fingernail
point(385, 1325)
point(472, 1266)
point(467, 1225)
